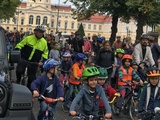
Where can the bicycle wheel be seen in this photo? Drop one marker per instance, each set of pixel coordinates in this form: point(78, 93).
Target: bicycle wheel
point(115, 109)
point(133, 110)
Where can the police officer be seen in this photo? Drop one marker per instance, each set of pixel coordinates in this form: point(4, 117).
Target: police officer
point(33, 50)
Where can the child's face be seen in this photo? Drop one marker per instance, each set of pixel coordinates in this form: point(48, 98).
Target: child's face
point(53, 70)
point(65, 58)
point(120, 55)
point(154, 80)
point(135, 67)
point(101, 81)
point(92, 82)
point(127, 62)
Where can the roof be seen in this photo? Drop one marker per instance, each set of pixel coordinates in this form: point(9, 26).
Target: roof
point(98, 18)
point(61, 7)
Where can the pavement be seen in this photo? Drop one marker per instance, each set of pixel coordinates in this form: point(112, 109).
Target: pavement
point(60, 115)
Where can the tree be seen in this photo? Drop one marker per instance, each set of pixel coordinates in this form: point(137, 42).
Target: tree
point(8, 8)
point(145, 12)
point(86, 8)
point(81, 30)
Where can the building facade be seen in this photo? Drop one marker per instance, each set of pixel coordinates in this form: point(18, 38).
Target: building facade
point(59, 17)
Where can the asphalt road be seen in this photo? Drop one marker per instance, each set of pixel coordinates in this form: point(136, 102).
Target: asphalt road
point(60, 115)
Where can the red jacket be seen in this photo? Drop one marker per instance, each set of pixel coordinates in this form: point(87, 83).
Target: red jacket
point(109, 93)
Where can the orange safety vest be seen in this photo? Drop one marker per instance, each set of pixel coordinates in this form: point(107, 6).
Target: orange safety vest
point(79, 71)
point(127, 76)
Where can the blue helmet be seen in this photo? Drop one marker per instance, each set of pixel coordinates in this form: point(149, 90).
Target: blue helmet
point(50, 63)
point(99, 39)
point(80, 56)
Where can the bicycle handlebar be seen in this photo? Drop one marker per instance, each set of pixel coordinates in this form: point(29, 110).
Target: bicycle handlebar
point(115, 96)
point(103, 67)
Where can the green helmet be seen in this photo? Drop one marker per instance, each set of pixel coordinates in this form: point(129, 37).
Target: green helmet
point(89, 71)
point(119, 50)
point(103, 73)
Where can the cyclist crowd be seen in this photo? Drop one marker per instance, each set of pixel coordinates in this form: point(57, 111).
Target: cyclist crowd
point(95, 68)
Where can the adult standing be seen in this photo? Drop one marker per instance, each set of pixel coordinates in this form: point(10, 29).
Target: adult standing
point(142, 52)
point(105, 59)
point(33, 48)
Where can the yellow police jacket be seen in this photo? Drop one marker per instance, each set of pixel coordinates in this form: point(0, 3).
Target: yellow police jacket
point(33, 49)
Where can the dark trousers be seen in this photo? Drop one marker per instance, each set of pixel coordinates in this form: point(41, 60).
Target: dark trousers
point(31, 72)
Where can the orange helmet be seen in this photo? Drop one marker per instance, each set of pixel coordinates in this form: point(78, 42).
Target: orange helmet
point(153, 72)
point(127, 56)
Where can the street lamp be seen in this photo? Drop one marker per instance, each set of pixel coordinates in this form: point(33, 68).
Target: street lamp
point(57, 16)
point(17, 13)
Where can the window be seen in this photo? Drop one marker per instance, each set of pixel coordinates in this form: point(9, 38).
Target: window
point(21, 29)
point(46, 0)
point(88, 34)
point(78, 25)
point(45, 20)
point(94, 27)
point(84, 26)
point(89, 26)
point(47, 6)
point(7, 28)
point(30, 5)
point(8, 21)
point(72, 25)
point(100, 27)
point(52, 23)
point(38, 20)
point(15, 21)
point(22, 21)
point(65, 24)
point(52, 15)
point(59, 23)
point(66, 16)
point(31, 19)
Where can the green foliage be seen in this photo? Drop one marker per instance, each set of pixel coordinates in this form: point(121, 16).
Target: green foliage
point(8, 8)
point(81, 30)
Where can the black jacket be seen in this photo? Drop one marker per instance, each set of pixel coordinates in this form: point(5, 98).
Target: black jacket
point(105, 59)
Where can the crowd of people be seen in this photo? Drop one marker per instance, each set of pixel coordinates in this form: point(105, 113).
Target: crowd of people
point(96, 68)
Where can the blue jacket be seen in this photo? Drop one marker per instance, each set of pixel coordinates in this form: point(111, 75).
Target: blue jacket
point(90, 105)
point(145, 97)
point(41, 83)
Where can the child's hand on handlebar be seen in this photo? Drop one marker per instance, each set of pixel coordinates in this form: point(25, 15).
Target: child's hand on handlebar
point(35, 93)
point(73, 113)
point(108, 115)
point(61, 99)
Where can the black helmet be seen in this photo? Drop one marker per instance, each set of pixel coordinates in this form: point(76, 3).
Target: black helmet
point(144, 36)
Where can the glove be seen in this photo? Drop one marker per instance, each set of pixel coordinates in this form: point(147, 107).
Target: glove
point(49, 100)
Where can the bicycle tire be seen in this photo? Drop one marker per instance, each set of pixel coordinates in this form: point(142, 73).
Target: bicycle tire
point(133, 110)
point(114, 108)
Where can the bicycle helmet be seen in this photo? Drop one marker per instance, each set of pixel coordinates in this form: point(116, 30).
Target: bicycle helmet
point(89, 72)
point(66, 54)
point(99, 39)
point(119, 50)
point(127, 56)
point(134, 63)
point(102, 73)
point(80, 56)
point(153, 72)
point(40, 27)
point(50, 63)
point(144, 36)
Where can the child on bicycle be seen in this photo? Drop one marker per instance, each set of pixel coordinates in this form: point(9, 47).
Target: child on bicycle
point(150, 97)
point(126, 74)
point(90, 95)
point(49, 86)
point(65, 66)
point(109, 91)
point(118, 63)
point(75, 78)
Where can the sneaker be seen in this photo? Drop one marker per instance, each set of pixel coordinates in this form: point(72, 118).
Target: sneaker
point(64, 108)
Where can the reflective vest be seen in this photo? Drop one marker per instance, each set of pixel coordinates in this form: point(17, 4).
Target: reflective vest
point(76, 71)
point(127, 76)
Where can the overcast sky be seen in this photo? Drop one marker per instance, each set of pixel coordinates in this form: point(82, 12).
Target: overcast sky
point(61, 2)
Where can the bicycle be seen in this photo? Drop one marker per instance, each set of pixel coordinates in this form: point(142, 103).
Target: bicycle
point(65, 83)
point(48, 114)
point(129, 104)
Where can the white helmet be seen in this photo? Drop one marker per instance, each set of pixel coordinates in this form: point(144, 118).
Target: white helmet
point(66, 54)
